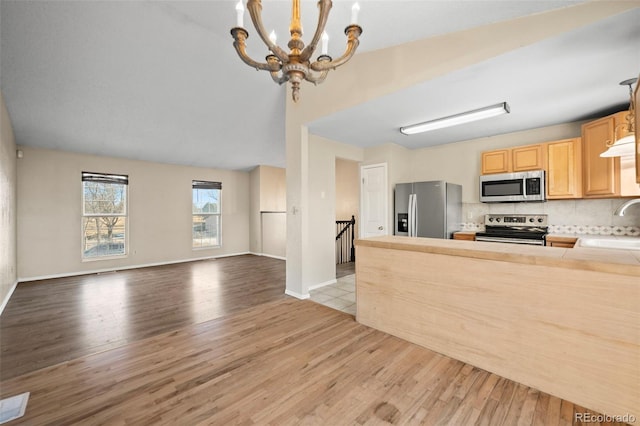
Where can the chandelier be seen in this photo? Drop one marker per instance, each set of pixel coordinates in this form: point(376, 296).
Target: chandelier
point(296, 65)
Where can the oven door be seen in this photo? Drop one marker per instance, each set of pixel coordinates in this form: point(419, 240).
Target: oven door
point(516, 240)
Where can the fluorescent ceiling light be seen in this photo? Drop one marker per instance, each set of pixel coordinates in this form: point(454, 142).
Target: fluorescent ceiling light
point(454, 120)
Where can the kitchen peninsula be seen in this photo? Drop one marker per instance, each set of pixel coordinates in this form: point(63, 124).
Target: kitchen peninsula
point(564, 321)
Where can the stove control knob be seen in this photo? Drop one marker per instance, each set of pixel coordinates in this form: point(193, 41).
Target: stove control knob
point(539, 220)
point(498, 219)
point(490, 219)
point(530, 219)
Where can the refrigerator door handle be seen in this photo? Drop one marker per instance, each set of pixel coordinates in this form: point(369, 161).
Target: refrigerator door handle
point(415, 215)
point(410, 212)
point(413, 220)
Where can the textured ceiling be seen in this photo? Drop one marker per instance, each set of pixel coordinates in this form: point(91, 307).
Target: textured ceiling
point(160, 81)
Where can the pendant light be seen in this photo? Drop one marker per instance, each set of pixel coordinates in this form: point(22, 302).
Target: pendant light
point(625, 145)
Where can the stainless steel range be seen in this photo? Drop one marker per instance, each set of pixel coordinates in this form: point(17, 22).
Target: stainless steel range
point(515, 228)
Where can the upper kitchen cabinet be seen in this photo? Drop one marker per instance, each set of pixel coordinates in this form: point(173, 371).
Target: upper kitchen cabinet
point(637, 107)
point(564, 168)
point(603, 176)
point(518, 159)
point(529, 157)
point(497, 161)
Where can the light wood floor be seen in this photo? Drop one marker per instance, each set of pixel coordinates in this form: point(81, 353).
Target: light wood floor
point(50, 321)
point(264, 359)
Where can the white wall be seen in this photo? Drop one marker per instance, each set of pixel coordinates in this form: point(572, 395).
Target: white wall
point(347, 189)
point(8, 264)
point(320, 266)
point(159, 221)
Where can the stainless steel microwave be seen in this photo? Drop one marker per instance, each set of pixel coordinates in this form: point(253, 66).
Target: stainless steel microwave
point(513, 187)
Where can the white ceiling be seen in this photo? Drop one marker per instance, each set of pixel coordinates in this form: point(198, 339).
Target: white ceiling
point(160, 81)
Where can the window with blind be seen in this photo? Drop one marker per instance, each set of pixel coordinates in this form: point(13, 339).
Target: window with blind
point(206, 214)
point(104, 215)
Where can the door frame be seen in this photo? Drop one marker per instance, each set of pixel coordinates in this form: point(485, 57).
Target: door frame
point(363, 213)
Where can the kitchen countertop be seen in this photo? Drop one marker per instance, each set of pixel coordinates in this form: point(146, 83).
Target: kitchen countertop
point(616, 261)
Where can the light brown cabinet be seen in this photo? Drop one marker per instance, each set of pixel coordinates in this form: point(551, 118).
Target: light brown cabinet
point(562, 242)
point(564, 168)
point(497, 161)
point(606, 176)
point(518, 159)
point(529, 157)
point(637, 106)
point(462, 235)
point(599, 173)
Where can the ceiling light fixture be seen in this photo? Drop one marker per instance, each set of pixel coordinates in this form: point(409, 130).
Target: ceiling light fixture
point(295, 66)
point(625, 145)
point(454, 120)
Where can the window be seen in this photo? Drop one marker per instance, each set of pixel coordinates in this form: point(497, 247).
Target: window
point(206, 214)
point(104, 215)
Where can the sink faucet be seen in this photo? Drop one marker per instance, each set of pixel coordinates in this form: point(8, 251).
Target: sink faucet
point(620, 210)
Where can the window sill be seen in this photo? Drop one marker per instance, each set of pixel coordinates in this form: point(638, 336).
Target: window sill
point(93, 259)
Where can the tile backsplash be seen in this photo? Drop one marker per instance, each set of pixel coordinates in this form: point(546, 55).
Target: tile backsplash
point(594, 217)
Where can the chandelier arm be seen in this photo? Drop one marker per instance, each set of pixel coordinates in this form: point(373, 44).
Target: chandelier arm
point(353, 32)
point(324, 7)
point(255, 10)
point(240, 47)
point(317, 78)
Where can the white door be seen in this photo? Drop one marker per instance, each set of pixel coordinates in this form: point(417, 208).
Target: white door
point(374, 202)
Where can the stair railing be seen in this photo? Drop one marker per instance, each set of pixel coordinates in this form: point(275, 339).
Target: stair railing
point(345, 249)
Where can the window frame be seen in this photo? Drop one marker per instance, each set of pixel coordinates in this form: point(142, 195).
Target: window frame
point(202, 184)
point(112, 178)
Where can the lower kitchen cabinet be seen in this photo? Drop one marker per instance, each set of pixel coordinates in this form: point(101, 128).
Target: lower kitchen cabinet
point(562, 242)
point(469, 236)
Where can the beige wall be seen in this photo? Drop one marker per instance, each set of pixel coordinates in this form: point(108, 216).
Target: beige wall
point(274, 234)
point(404, 66)
point(159, 221)
point(255, 225)
point(347, 189)
point(268, 211)
point(8, 265)
point(273, 189)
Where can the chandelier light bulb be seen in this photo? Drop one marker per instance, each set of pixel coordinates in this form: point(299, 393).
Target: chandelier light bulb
point(273, 37)
point(325, 43)
point(239, 14)
point(354, 13)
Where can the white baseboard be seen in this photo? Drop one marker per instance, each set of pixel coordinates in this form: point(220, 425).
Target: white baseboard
point(296, 295)
point(113, 269)
point(8, 296)
point(269, 255)
point(324, 284)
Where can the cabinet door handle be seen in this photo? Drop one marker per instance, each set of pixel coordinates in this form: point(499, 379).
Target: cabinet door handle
point(380, 228)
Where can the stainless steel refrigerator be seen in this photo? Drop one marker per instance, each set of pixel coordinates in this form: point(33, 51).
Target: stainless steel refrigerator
point(428, 209)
